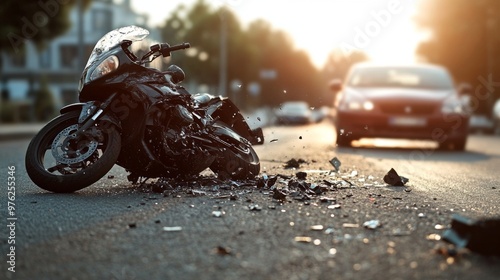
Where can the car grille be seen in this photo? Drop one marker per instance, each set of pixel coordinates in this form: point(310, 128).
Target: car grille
point(412, 109)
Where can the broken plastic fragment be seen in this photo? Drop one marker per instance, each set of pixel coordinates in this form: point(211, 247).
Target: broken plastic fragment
point(334, 206)
point(279, 195)
point(372, 224)
point(480, 236)
point(392, 178)
point(273, 140)
point(301, 175)
point(335, 162)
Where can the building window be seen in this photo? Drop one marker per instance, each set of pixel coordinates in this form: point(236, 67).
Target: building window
point(102, 20)
point(69, 56)
point(45, 58)
point(18, 59)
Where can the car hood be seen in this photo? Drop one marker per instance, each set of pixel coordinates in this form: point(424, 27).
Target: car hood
point(401, 93)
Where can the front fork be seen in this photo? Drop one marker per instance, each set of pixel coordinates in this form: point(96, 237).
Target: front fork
point(90, 113)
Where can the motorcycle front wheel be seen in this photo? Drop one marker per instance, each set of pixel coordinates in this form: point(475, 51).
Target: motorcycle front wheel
point(238, 162)
point(57, 161)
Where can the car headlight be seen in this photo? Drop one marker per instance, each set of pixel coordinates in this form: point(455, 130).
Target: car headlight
point(453, 105)
point(356, 105)
point(109, 65)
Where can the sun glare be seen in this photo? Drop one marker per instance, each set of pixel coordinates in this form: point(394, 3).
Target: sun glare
point(383, 29)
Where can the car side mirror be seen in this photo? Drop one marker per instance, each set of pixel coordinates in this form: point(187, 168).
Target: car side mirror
point(336, 85)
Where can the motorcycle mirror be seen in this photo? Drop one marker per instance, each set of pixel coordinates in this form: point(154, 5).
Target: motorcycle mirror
point(176, 73)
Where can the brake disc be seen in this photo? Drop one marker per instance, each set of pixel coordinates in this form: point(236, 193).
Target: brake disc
point(68, 150)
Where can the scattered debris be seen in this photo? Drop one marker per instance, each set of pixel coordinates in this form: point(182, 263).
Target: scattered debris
point(301, 175)
point(254, 207)
point(349, 225)
point(279, 195)
point(334, 206)
point(317, 227)
point(111, 176)
point(172, 229)
point(224, 251)
point(392, 178)
point(273, 140)
point(479, 236)
point(218, 214)
point(303, 239)
point(132, 225)
point(372, 224)
point(336, 163)
point(294, 163)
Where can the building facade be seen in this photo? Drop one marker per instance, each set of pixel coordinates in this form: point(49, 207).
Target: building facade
point(59, 63)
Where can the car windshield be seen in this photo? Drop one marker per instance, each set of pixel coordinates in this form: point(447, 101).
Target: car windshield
point(408, 77)
point(114, 38)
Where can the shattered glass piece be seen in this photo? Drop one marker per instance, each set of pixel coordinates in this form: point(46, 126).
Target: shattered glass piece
point(254, 207)
point(479, 236)
point(317, 242)
point(372, 224)
point(111, 176)
point(438, 227)
point(303, 239)
point(354, 173)
point(421, 215)
point(273, 140)
point(172, 229)
point(334, 206)
point(335, 162)
point(392, 178)
point(218, 214)
point(329, 231)
point(132, 225)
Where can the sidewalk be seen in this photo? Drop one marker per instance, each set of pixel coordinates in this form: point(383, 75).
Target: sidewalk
point(19, 131)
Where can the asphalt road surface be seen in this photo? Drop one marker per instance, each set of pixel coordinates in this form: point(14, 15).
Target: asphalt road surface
point(207, 229)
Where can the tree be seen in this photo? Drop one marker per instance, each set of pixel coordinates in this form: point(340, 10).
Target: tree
point(36, 21)
point(249, 51)
point(465, 39)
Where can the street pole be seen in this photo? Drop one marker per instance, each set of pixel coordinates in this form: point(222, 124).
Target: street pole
point(223, 53)
point(81, 43)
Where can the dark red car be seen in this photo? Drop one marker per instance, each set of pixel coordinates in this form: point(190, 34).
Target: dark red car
point(413, 102)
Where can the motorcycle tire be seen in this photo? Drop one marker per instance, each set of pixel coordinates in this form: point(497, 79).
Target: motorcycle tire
point(238, 162)
point(87, 159)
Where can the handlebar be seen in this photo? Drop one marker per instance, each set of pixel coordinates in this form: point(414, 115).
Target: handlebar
point(156, 50)
point(166, 48)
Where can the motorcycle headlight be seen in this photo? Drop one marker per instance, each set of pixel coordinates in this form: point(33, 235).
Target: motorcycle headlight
point(109, 65)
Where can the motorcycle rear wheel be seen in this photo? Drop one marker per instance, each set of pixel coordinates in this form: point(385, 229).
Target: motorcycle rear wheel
point(238, 162)
point(58, 163)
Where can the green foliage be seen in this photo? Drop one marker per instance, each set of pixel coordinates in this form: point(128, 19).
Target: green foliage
point(249, 51)
point(36, 21)
point(465, 39)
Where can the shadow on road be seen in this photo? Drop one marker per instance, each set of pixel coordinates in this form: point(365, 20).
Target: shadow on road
point(415, 153)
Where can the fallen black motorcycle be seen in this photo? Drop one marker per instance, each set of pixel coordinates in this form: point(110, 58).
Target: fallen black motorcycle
point(141, 119)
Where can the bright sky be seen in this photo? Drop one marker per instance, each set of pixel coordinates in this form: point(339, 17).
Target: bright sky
point(384, 29)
